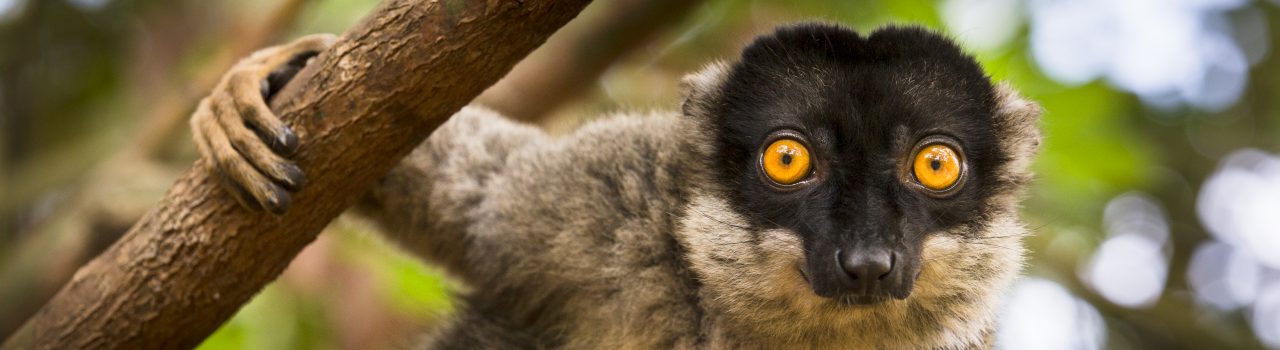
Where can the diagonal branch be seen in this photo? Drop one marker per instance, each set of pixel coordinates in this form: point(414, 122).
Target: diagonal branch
point(573, 61)
point(191, 263)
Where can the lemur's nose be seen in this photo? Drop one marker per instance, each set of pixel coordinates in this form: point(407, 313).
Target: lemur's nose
point(867, 268)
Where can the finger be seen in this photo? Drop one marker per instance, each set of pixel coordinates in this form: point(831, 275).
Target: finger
point(271, 57)
point(199, 122)
point(238, 192)
point(248, 76)
point(290, 59)
point(281, 75)
point(243, 90)
point(257, 58)
point(266, 193)
point(306, 46)
point(251, 147)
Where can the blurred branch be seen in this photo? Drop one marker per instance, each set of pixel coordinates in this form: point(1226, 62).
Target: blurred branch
point(201, 251)
point(164, 120)
point(573, 61)
point(161, 126)
point(119, 190)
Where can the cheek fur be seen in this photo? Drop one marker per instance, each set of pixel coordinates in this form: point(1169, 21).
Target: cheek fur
point(964, 263)
point(937, 274)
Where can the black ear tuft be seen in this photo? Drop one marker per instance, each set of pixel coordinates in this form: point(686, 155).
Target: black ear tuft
point(804, 42)
point(822, 44)
point(915, 42)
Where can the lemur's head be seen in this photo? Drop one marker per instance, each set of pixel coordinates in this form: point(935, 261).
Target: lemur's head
point(861, 181)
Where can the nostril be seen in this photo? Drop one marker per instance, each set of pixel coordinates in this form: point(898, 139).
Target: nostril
point(893, 260)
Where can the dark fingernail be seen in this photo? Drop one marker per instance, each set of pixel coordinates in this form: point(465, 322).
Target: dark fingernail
point(288, 141)
point(294, 178)
point(277, 200)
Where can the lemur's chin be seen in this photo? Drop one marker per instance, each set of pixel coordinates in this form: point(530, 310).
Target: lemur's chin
point(861, 300)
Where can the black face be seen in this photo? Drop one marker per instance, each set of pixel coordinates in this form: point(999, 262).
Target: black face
point(863, 146)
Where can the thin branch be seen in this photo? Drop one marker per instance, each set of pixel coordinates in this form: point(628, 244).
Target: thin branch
point(574, 59)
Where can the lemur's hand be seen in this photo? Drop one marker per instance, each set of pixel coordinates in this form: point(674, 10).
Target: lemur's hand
point(244, 141)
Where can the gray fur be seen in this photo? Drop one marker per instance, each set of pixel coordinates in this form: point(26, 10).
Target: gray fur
point(613, 237)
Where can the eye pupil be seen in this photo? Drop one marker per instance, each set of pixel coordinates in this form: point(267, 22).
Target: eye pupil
point(937, 167)
point(785, 161)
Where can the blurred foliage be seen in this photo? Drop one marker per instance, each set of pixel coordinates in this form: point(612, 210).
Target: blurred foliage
point(304, 311)
point(73, 77)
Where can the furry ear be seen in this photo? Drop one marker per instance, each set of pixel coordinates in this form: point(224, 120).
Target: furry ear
point(702, 90)
point(1017, 118)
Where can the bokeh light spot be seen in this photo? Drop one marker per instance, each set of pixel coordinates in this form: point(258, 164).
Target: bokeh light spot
point(1167, 52)
point(1239, 203)
point(1041, 314)
point(1130, 267)
point(1223, 277)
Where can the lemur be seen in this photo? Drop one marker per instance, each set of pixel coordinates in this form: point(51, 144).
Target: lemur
point(826, 189)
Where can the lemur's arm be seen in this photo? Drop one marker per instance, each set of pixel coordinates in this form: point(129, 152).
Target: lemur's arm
point(433, 200)
point(425, 204)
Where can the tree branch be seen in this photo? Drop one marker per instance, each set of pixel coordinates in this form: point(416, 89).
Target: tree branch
point(576, 57)
point(364, 104)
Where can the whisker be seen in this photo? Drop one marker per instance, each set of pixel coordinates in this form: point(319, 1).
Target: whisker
point(943, 257)
point(712, 218)
point(1024, 234)
point(993, 245)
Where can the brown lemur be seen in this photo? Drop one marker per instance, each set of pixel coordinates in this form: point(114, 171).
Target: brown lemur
point(824, 190)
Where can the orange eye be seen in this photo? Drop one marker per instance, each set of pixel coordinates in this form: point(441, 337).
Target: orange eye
point(786, 161)
point(937, 167)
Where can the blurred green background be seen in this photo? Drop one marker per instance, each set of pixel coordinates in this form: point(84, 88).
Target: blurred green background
point(1154, 209)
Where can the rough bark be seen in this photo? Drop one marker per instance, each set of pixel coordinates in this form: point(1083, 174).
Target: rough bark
point(191, 263)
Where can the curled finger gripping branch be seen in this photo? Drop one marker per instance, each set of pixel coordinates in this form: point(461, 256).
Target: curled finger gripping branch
point(247, 144)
